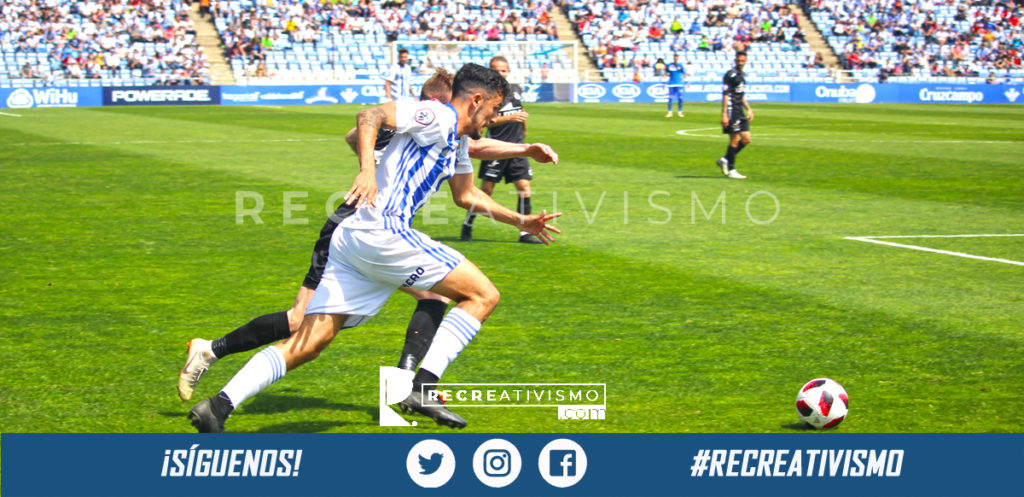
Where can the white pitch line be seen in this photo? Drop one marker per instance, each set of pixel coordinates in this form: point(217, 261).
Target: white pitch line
point(944, 236)
point(164, 142)
point(9, 114)
point(870, 239)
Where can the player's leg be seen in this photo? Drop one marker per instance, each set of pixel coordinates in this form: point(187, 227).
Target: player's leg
point(265, 329)
point(671, 95)
point(430, 308)
point(736, 143)
point(265, 368)
point(523, 207)
point(490, 172)
point(679, 97)
point(476, 297)
point(260, 331)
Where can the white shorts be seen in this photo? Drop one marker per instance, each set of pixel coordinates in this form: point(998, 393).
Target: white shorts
point(364, 267)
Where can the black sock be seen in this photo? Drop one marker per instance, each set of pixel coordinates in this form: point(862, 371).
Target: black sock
point(221, 405)
point(740, 147)
point(422, 327)
point(469, 220)
point(263, 330)
point(424, 376)
point(730, 155)
point(523, 207)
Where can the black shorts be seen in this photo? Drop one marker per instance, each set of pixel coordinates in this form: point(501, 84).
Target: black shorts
point(737, 124)
point(323, 246)
point(512, 170)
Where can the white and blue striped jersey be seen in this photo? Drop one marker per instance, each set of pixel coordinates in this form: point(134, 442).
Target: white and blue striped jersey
point(400, 78)
point(422, 155)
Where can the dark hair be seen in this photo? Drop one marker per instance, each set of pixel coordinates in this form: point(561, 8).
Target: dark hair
point(438, 87)
point(741, 52)
point(476, 77)
point(403, 50)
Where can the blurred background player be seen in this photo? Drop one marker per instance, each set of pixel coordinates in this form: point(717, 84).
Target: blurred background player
point(509, 126)
point(736, 116)
point(675, 74)
point(396, 84)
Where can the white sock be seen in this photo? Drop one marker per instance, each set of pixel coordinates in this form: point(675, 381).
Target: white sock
point(260, 372)
point(456, 331)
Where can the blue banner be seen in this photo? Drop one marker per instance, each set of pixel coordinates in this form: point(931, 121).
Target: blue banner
point(896, 465)
point(658, 92)
point(906, 93)
point(302, 95)
point(27, 98)
point(161, 95)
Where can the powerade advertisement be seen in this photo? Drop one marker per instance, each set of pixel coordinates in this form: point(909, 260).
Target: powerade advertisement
point(161, 95)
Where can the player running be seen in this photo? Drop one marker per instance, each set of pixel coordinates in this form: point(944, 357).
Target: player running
point(736, 116)
point(675, 74)
point(509, 126)
point(430, 309)
point(374, 251)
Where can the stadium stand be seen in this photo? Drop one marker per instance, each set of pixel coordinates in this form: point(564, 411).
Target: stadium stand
point(627, 38)
point(289, 41)
point(925, 41)
point(98, 43)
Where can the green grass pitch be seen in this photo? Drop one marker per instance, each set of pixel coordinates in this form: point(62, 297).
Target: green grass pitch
point(119, 243)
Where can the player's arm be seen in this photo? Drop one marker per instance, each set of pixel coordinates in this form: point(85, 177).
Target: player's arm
point(368, 124)
point(520, 116)
point(725, 108)
point(491, 149)
point(746, 107)
point(387, 89)
point(352, 138)
point(471, 198)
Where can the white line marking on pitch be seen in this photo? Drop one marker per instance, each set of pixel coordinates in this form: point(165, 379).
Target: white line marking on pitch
point(9, 114)
point(876, 240)
point(152, 142)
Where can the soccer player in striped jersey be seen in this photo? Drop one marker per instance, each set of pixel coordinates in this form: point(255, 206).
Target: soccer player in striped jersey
point(396, 84)
point(375, 251)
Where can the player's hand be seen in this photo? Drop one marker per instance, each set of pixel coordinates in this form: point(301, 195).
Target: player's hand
point(364, 189)
point(750, 115)
point(542, 152)
point(537, 225)
point(725, 121)
point(520, 117)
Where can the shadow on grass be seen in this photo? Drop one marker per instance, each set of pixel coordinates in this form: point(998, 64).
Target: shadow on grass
point(447, 239)
point(798, 427)
point(274, 404)
point(712, 176)
point(307, 426)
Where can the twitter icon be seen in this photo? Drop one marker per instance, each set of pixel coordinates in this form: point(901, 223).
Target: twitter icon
point(430, 463)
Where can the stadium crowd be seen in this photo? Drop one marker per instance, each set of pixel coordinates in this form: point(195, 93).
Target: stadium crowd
point(950, 38)
point(619, 27)
point(93, 39)
point(252, 28)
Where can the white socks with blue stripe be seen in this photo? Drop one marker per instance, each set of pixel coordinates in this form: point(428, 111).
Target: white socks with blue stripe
point(260, 372)
point(455, 332)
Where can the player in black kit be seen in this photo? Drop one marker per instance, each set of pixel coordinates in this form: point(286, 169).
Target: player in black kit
point(736, 116)
point(509, 126)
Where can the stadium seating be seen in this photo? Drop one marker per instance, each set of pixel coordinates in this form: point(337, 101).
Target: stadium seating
point(287, 41)
point(626, 40)
point(921, 41)
point(86, 43)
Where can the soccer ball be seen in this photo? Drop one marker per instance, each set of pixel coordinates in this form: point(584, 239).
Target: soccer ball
point(822, 403)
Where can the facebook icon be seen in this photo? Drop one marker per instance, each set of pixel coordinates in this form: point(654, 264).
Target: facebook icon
point(563, 463)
